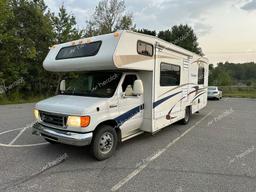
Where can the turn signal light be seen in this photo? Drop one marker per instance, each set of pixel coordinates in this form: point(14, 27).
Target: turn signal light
point(85, 121)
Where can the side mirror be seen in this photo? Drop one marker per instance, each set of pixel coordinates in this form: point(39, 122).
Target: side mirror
point(138, 87)
point(62, 85)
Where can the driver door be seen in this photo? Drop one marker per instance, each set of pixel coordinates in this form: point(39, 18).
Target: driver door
point(130, 107)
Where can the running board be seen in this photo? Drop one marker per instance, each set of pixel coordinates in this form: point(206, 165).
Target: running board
point(133, 135)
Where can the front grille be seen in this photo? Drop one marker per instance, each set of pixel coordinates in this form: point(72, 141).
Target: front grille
point(54, 119)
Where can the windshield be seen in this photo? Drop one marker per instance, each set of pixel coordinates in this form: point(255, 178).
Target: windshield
point(93, 84)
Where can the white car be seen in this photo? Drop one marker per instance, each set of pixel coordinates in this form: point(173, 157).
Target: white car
point(214, 93)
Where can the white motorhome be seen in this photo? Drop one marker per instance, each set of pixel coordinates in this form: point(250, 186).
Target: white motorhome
point(123, 84)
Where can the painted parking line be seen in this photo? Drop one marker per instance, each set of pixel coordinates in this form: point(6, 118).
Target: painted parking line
point(8, 131)
point(155, 156)
point(20, 146)
point(11, 144)
point(16, 138)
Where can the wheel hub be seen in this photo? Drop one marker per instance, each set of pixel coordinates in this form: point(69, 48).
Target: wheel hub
point(106, 142)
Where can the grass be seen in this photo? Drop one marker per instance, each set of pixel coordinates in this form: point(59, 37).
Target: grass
point(6, 101)
point(240, 92)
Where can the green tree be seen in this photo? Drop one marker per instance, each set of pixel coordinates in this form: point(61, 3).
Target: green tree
point(211, 77)
point(35, 29)
point(230, 73)
point(223, 78)
point(64, 26)
point(6, 38)
point(146, 31)
point(27, 36)
point(165, 35)
point(219, 76)
point(183, 36)
point(109, 16)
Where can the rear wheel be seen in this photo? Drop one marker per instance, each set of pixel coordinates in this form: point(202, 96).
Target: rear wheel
point(104, 142)
point(187, 116)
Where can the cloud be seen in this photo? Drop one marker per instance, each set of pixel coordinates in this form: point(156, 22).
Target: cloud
point(163, 14)
point(81, 4)
point(150, 14)
point(201, 28)
point(81, 9)
point(249, 6)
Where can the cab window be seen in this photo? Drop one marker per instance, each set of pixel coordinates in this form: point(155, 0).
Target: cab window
point(127, 85)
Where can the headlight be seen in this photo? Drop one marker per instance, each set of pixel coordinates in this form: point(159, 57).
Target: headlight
point(74, 121)
point(36, 113)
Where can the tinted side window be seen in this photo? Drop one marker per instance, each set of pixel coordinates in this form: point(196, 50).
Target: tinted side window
point(144, 48)
point(200, 75)
point(169, 75)
point(128, 80)
point(75, 51)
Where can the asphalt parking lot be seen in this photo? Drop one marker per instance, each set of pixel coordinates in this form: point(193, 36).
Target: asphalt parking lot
point(214, 152)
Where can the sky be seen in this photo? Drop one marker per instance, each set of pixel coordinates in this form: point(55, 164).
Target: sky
point(226, 29)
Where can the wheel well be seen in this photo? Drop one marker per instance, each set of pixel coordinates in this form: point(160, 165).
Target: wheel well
point(113, 124)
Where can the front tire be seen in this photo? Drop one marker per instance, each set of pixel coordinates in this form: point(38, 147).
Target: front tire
point(187, 116)
point(104, 142)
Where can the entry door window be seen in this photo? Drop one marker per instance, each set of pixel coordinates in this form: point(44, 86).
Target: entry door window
point(201, 74)
point(169, 75)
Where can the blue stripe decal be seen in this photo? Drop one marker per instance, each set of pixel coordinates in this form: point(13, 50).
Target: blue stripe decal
point(155, 104)
point(128, 115)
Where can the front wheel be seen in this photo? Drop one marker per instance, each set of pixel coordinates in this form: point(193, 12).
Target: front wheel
point(187, 116)
point(104, 142)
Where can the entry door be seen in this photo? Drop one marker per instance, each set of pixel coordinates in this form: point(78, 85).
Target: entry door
point(130, 107)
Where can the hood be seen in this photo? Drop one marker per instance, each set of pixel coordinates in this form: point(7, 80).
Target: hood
point(72, 105)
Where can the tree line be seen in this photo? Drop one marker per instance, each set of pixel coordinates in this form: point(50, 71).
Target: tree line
point(28, 28)
point(227, 74)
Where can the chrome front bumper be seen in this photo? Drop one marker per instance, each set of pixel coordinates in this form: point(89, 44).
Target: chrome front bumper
point(61, 136)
